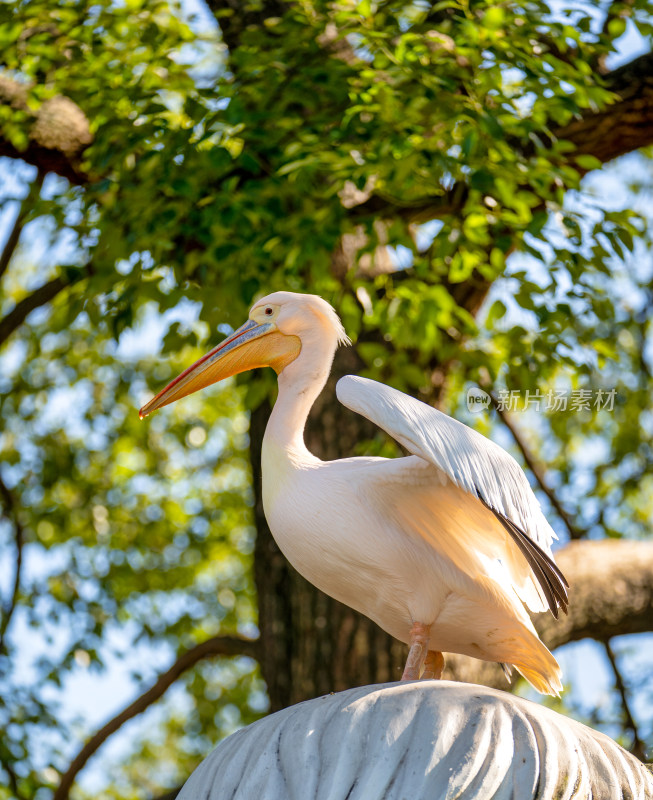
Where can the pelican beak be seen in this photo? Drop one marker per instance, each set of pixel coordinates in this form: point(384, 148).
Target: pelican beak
point(254, 344)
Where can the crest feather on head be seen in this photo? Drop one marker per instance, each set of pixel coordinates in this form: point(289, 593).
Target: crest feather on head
point(330, 313)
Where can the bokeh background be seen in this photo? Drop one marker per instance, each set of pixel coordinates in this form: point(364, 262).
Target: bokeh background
point(469, 183)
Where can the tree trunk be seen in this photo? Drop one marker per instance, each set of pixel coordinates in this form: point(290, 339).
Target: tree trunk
point(310, 643)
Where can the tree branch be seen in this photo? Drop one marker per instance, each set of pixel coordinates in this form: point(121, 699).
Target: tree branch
point(638, 748)
point(13, 779)
point(611, 591)
point(623, 126)
point(23, 211)
point(422, 210)
point(217, 646)
point(531, 463)
point(19, 537)
point(39, 297)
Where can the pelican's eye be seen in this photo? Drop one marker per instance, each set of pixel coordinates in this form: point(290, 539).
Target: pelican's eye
point(268, 312)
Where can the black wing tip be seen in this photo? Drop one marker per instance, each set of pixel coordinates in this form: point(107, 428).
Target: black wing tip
point(552, 581)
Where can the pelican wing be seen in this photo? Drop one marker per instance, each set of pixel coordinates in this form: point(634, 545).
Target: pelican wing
point(473, 463)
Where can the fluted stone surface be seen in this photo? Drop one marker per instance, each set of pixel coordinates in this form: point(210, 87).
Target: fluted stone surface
point(425, 740)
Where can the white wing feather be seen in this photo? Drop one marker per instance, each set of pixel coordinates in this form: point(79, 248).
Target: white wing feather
point(475, 464)
point(472, 461)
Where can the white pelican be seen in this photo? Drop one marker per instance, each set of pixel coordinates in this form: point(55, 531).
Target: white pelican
point(441, 548)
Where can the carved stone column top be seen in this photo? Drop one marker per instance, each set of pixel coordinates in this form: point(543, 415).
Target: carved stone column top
point(421, 740)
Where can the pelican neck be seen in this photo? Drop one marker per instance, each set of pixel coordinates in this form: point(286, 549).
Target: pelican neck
point(300, 383)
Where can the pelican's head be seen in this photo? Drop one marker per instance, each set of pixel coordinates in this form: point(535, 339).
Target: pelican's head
point(272, 337)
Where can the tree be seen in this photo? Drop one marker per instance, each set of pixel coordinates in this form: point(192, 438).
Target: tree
point(419, 166)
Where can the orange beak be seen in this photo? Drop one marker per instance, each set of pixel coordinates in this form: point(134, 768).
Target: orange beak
point(254, 344)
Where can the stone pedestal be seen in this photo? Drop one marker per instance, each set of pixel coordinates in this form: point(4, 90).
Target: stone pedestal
point(429, 740)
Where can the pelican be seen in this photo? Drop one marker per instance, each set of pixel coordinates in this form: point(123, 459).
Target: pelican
point(443, 548)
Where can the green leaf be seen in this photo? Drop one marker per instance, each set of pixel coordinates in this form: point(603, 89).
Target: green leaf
point(588, 162)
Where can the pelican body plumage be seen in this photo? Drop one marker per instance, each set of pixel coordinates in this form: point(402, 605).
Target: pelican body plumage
point(444, 548)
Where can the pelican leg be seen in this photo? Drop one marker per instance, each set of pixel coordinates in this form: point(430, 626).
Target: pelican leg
point(433, 666)
point(419, 645)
